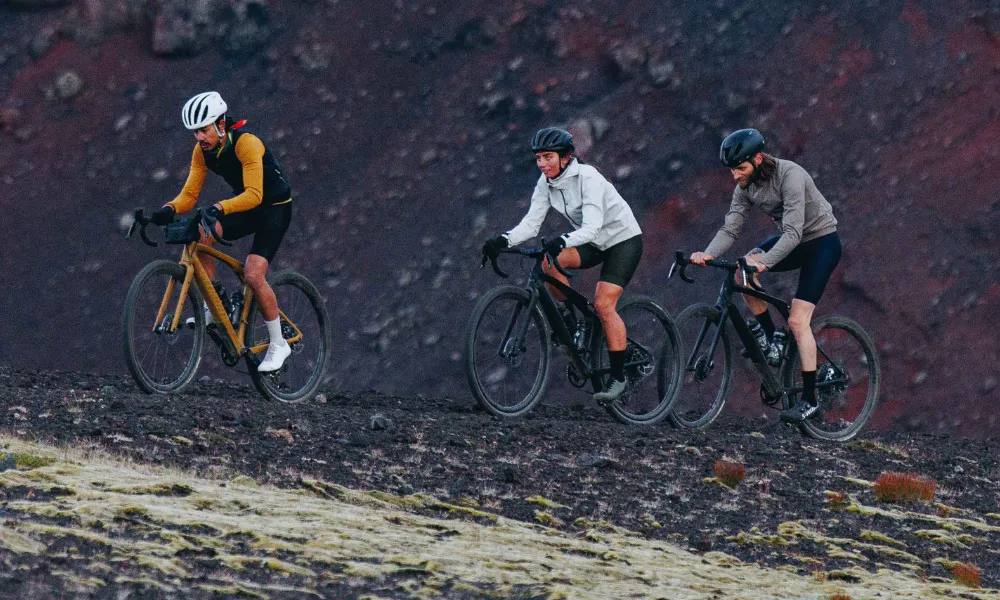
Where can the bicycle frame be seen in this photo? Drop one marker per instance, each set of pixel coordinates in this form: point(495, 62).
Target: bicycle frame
point(729, 311)
point(195, 272)
point(539, 294)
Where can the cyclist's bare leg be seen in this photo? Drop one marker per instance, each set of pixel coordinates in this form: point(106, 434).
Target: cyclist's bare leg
point(569, 258)
point(606, 301)
point(255, 271)
point(756, 305)
point(799, 321)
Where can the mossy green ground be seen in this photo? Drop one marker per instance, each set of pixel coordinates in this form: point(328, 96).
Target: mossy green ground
point(116, 523)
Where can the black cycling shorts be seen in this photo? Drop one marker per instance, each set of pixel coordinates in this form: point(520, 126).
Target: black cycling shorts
point(817, 258)
point(267, 224)
point(618, 263)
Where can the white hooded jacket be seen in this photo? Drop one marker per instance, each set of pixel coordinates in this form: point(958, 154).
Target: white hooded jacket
point(589, 202)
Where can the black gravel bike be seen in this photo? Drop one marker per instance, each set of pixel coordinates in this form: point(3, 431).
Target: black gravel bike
point(847, 370)
point(511, 329)
point(163, 323)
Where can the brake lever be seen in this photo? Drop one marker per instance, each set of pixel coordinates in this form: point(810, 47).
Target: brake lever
point(493, 263)
point(683, 262)
point(209, 224)
point(747, 271)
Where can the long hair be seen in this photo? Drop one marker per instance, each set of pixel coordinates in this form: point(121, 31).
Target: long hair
point(767, 168)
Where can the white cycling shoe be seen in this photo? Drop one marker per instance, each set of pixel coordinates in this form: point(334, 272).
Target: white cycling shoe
point(209, 319)
point(275, 357)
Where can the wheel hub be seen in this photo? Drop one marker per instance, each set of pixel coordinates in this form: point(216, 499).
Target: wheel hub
point(702, 369)
point(511, 354)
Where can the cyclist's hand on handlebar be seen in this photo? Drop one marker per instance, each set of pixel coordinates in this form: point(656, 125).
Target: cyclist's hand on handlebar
point(163, 215)
point(753, 260)
point(554, 246)
point(700, 258)
point(493, 246)
point(214, 212)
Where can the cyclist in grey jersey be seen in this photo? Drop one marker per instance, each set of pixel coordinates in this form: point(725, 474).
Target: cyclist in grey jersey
point(808, 241)
point(604, 232)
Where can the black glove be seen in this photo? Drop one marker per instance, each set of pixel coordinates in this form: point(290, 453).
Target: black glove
point(493, 246)
point(163, 215)
point(213, 212)
point(554, 246)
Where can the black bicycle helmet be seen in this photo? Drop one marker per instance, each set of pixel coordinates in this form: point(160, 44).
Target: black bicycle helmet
point(553, 139)
point(740, 146)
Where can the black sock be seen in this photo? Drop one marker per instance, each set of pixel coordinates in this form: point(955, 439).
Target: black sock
point(765, 321)
point(617, 359)
point(809, 386)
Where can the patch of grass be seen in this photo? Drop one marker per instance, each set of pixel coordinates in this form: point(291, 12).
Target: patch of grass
point(837, 499)
point(904, 488)
point(158, 489)
point(26, 462)
point(877, 446)
point(548, 519)
point(544, 502)
point(729, 473)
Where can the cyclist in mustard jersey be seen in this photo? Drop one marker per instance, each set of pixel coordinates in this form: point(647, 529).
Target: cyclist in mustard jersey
point(261, 204)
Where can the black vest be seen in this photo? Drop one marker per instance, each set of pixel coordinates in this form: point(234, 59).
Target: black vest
point(276, 188)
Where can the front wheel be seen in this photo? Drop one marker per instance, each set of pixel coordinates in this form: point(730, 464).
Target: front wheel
point(652, 363)
point(707, 373)
point(507, 371)
point(302, 309)
point(162, 359)
point(847, 378)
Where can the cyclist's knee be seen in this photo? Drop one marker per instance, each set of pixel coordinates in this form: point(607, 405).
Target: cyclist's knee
point(799, 322)
point(605, 306)
point(255, 273)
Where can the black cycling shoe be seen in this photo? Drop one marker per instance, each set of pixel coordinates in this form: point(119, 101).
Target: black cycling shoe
point(801, 411)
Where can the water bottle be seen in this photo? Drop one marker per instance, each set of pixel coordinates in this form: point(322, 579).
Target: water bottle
point(235, 307)
point(580, 336)
point(223, 296)
point(758, 333)
point(777, 348)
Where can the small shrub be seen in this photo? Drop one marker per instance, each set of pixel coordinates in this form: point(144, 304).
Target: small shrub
point(903, 488)
point(840, 597)
point(837, 499)
point(966, 574)
point(729, 473)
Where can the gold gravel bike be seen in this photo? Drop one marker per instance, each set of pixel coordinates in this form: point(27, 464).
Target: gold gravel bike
point(164, 320)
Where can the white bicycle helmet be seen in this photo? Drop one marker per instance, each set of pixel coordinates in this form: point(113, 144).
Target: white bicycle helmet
point(203, 109)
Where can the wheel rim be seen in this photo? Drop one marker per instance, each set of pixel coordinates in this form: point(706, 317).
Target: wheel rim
point(303, 368)
point(845, 383)
point(508, 377)
point(703, 385)
point(649, 358)
point(163, 359)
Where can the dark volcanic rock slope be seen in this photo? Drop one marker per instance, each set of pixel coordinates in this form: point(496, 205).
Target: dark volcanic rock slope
point(404, 125)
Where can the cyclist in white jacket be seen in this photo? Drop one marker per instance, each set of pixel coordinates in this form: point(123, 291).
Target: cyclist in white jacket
point(604, 232)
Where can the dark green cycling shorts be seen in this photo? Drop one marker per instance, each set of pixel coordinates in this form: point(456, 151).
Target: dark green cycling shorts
point(618, 263)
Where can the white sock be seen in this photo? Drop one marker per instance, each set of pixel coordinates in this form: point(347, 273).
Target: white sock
point(274, 331)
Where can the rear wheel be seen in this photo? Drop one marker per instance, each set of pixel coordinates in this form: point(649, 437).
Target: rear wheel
point(302, 305)
point(507, 375)
point(706, 378)
point(160, 358)
point(652, 363)
point(848, 375)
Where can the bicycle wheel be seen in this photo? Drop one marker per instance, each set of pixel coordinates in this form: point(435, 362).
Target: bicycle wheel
point(705, 379)
point(301, 303)
point(652, 363)
point(507, 378)
point(847, 378)
point(162, 361)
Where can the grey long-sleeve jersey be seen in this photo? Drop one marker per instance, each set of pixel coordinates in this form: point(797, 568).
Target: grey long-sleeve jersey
point(589, 202)
point(790, 198)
